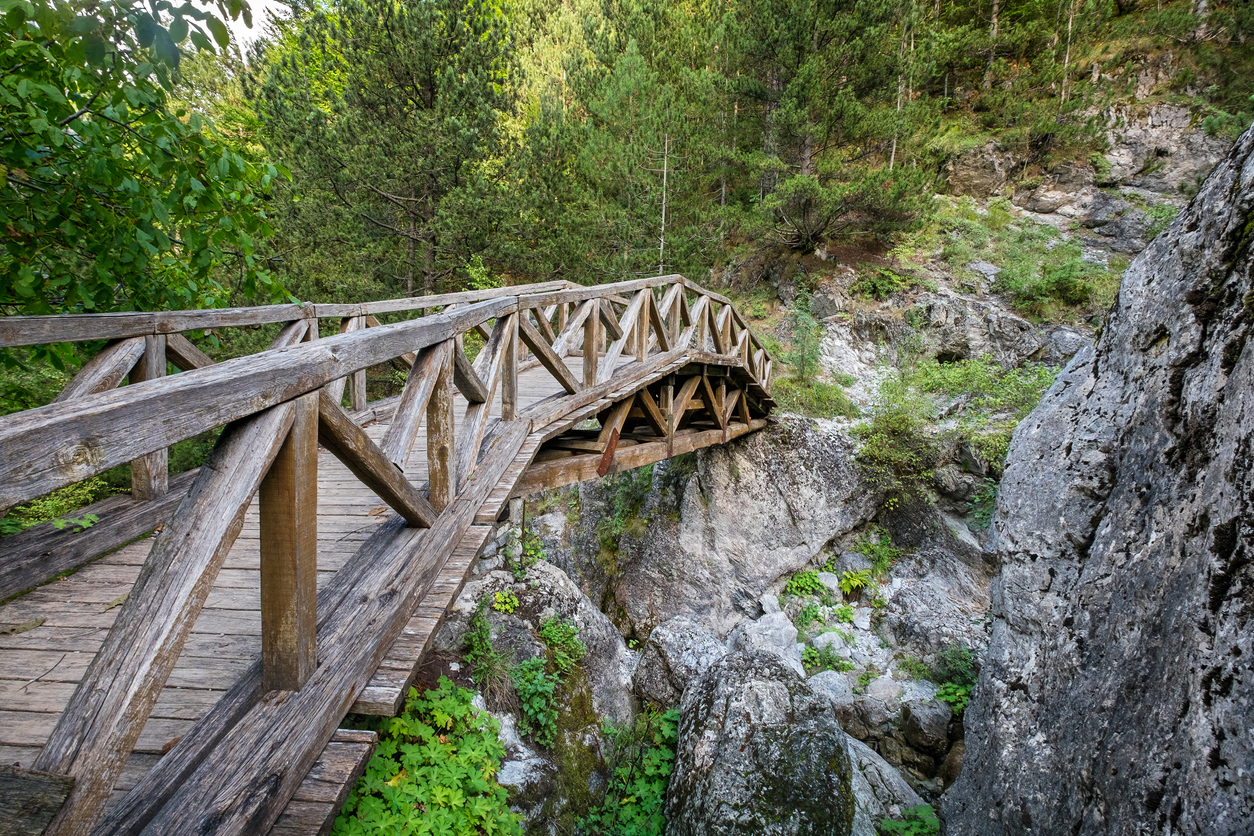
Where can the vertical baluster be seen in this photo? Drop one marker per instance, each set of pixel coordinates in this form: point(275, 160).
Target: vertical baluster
point(357, 382)
point(591, 344)
point(289, 555)
point(440, 439)
point(509, 371)
point(150, 475)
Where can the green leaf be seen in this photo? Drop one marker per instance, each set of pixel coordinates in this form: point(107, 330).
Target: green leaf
point(220, 33)
point(94, 48)
point(82, 24)
point(146, 30)
point(178, 30)
point(165, 49)
point(200, 40)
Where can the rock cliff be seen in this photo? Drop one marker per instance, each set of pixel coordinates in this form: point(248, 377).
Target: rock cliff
point(1115, 696)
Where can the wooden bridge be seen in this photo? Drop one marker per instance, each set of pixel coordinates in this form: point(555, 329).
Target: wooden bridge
point(194, 682)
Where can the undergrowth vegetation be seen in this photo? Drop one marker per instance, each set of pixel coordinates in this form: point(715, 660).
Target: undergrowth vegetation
point(642, 756)
point(628, 492)
point(433, 773)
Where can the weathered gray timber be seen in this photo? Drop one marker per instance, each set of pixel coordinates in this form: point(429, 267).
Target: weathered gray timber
point(186, 662)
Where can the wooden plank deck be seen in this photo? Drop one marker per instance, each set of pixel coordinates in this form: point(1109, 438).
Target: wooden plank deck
point(41, 666)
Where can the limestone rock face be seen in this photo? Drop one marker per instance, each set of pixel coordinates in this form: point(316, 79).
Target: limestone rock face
point(879, 791)
point(1162, 150)
point(979, 172)
point(1115, 695)
point(714, 539)
point(677, 652)
point(759, 752)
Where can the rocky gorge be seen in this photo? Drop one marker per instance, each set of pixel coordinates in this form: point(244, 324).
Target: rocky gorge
point(1097, 611)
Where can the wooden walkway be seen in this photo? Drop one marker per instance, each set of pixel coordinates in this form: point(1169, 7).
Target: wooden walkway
point(50, 636)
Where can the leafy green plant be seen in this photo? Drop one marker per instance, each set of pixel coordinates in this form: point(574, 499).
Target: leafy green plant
point(878, 548)
point(642, 756)
point(804, 583)
point(844, 614)
point(916, 821)
point(806, 335)
point(898, 449)
point(505, 601)
point(490, 668)
point(531, 552)
point(809, 614)
point(981, 504)
point(824, 659)
point(57, 506)
point(878, 282)
point(915, 667)
point(432, 773)
point(956, 696)
point(535, 689)
point(815, 398)
point(562, 639)
point(954, 664)
point(852, 581)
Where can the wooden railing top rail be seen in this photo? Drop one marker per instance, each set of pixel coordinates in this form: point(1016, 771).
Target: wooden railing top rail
point(35, 330)
point(55, 445)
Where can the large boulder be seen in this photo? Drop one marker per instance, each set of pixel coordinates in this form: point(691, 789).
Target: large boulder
point(979, 172)
point(759, 752)
point(772, 633)
point(879, 791)
point(677, 652)
point(1115, 695)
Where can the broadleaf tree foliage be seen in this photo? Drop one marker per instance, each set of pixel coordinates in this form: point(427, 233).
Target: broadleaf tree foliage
point(111, 199)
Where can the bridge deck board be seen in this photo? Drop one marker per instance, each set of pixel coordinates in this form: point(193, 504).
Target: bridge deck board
point(40, 667)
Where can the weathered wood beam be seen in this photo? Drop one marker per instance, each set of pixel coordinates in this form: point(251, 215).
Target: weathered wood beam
point(95, 734)
point(544, 325)
point(488, 366)
point(657, 319)
point(652, 415)
point(30, 799)
point(571, 330)
point(441, 476)
point(686, 391)
point(244, 782)
point(357, 381)
point(614, 421)
point(52, 446)
point(729, 408)
point(716, 331)
point(104, 371)
point(544, 354)
point(184, 354)
point(350, 444)
point(466, 378)
point(150, 473)
point(600, 291)
point(40, 553)
point(613, 330)
point(567, 471)
point(509, 371)
point(336, 387)
point(289, 554)
point(626, 330)
point(58, 328)
point(591, 344)
point(398, 441)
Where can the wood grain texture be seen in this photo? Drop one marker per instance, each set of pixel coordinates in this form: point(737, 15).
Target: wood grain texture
point(32, 330)
point(466, 378)
point(289, 554)
point(351, 445)
point(29, 800)
point(547, 357)
point(150, 474)
point(441, 475)
point(245, 782)
point(488, 367)
point(52, 446)
point(184, 354)
point(112, 702)
point(419, 386)
point(104, 371)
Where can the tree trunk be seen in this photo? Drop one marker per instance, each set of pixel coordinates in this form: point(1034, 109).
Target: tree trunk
point(992, 51)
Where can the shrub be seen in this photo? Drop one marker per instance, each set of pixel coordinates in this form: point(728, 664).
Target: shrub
point(897, 452)
point(806, 336)
point(804, 583)
point(954, 664)
point(844, 614)
point(824, 659)
point(878, 282)
point(809, 615)
point(816, 398)
point(956, 696)
point(562, 639)
point(535, 689)
point(56, 506)
point(642, 756)
point(916, 821)
point(432, 773)
point(490, 668)
point(531, 552)
point(980, 506)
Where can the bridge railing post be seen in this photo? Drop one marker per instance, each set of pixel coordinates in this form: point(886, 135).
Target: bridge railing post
point(150, 476)
point(289, 555)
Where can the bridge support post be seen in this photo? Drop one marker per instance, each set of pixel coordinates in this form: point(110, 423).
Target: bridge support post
point(591, 344)
point(150, 477)
point(289, 555)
